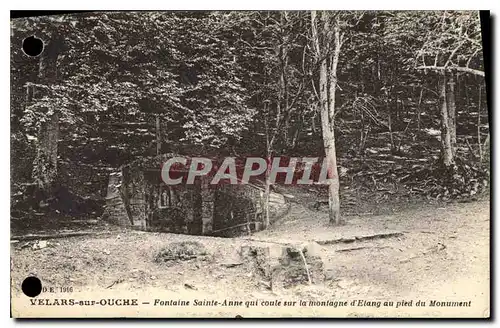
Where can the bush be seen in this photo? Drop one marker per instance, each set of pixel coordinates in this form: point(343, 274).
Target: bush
point(181, 251)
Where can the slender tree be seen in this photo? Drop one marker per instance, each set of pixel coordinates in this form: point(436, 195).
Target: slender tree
point(327, 42)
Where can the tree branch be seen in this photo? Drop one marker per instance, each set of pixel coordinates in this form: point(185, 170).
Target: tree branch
point(470, 58)
point(453, 54)
point(457, 68)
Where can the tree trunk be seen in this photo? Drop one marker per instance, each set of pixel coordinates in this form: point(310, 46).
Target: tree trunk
point(195, 227)
point(45, 163)
point(479, 128)
point(158, 134)
point(282, 114)
point(327, 88)
point(267, 187)
point(451, 106)
point(446, 146)
point(296, 135)
point(391, 136)
point(486, 150)
point(334, 197)
point(267, 193)
point(419, 108)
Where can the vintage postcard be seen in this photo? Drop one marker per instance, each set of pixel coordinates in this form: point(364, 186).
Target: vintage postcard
point(250, 164)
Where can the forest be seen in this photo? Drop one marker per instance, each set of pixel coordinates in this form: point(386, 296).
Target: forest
point(394, 100)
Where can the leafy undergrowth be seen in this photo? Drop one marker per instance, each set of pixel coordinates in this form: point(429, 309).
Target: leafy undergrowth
point(181, 251)
point(459, 181)
point(373, 184)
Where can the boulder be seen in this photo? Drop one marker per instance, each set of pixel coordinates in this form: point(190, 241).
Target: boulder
point(301, 264)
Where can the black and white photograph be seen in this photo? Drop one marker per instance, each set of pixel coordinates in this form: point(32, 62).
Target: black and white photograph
point(250, 164)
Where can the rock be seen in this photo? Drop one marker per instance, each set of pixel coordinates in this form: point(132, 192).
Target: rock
point(189, 286)
point(265, 284)
point(257, 259)
point(27, 244)
point(299, 265)
point(344, 284)
point(312, 249)
point(231, 265)
point(40, 244)
point(329, 275)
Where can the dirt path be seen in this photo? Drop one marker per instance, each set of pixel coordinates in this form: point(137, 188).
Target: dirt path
point(442, 254)
point(444, 251)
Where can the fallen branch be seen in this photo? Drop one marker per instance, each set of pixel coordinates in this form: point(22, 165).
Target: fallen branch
point(57, 235)
point(360, 247)
point(336, 241)
point(351, 249)
point(471, 150)
point(359, 238)
point(408, 259)
point(115, 282)
point(270, 241)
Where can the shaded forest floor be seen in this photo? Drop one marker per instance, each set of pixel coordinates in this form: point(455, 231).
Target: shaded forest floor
point(440, 251)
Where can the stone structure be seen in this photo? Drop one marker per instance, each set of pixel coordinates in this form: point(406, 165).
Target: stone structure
point(138, 198)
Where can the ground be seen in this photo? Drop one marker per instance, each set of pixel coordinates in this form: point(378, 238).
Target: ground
point(437, 252)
